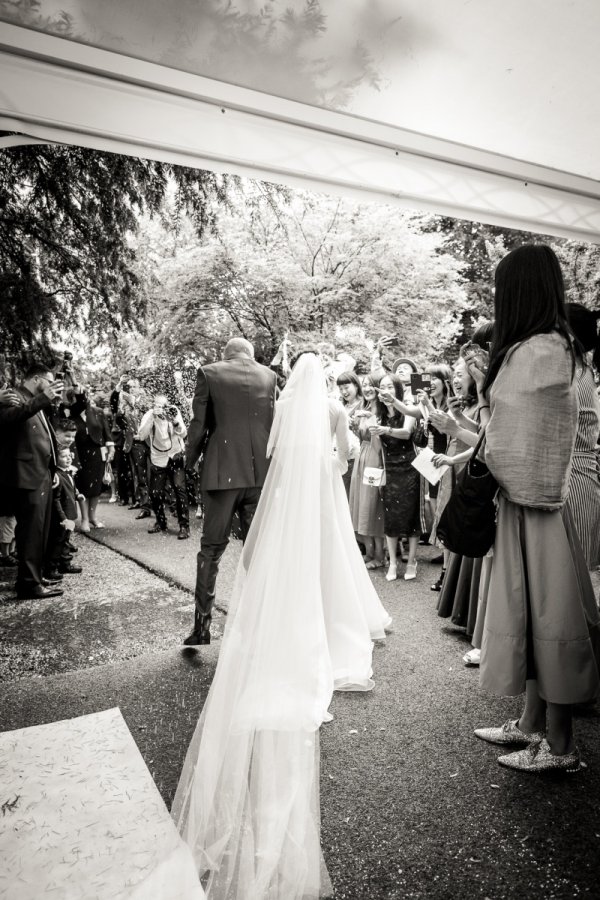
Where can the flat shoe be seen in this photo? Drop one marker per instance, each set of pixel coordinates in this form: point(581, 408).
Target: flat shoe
point(96, 524)
point(375, 564)
point(537, 757)
point(509, 733)
point(472, 658)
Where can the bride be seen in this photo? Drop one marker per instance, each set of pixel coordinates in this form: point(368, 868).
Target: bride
point(302, 618)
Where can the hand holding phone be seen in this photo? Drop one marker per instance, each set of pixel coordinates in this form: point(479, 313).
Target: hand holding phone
point(420, 381)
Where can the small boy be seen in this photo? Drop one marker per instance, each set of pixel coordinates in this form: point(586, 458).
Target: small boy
point(64, 515)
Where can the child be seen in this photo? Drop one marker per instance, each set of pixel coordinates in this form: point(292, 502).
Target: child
point(64, 515)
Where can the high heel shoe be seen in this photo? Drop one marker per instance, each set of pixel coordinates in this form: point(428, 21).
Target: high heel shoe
point(392, 573)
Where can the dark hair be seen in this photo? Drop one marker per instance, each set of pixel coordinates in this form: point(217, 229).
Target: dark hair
point(483, 335)
point(307, 348)
point(66, 426)
point(36, 369)
point(350, 378)
point(382, 412)
point(584, 325)
point(529, 300)
point(444, 373)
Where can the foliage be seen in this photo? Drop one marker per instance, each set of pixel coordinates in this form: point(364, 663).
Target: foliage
point(67, 217)
point(311, 267)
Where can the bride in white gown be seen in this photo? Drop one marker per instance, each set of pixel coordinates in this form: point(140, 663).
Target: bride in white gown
point(301, 621)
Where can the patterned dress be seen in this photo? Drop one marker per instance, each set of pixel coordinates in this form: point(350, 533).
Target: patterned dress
point(401, 513)
point(583, 501)
point(366, 505)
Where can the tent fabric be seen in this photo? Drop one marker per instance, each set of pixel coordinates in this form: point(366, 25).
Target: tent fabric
point(64, 90)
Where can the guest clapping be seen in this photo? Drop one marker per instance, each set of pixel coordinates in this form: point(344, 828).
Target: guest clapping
point(164, 427)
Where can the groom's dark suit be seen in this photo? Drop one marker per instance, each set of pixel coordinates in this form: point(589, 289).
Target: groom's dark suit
point(233, 412)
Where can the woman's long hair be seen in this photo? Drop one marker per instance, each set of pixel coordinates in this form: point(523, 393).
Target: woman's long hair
point(529, 300)
point(383, 415)
point(584, 325)
point(375, 379)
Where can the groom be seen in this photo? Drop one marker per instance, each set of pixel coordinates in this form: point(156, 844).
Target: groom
point(233, 412)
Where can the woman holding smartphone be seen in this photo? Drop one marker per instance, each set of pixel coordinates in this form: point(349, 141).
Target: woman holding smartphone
point(366, 505)
point(462, 403)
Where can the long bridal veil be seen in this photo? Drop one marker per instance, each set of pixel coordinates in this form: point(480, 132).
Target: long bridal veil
point(248, 799)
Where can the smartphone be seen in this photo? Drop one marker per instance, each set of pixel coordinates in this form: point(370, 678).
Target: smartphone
point(450, 387)
point(420, 382)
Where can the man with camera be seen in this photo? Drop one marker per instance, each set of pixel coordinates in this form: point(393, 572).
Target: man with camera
point(27, 470)
point(164, 428)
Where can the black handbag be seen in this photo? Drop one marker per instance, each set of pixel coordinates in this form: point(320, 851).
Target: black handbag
point(420, 437)
point(467, 525)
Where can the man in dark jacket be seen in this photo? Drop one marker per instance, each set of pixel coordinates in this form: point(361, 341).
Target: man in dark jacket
point(27, 467)
point(233, 411)
point(63, 518)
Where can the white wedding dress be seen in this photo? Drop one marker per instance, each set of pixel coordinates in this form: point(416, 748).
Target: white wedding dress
point(301, 621)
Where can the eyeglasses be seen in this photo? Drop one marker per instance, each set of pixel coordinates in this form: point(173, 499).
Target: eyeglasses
point(48, 378)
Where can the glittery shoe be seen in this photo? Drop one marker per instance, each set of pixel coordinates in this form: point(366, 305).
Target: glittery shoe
point(538, 758)
point(508, 733)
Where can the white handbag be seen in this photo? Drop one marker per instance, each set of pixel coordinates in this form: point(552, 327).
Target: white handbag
point(373, 476)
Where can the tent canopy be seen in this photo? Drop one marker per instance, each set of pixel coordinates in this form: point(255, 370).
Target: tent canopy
point(484, 110)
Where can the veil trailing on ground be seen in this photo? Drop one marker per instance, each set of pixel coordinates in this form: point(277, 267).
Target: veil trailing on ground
point(248, 798)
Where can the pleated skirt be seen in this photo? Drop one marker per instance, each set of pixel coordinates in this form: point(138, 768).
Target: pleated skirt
point(541, 619)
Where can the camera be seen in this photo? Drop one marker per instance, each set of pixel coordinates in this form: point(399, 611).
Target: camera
point(171, 411)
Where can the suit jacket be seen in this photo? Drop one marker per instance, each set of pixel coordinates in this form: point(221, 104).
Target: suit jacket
point(27, 442)
point(233, 410)
point(94, 426)
point(64, 497)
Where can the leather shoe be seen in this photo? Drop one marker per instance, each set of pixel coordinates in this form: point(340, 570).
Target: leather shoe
point(184, 533)
point(41, 594)
point(71, 547)
point(134, 506)
point(52, 575)
point(51, 581)
point(156, 529)
point(143, 514)
point(71, 570)
point(195, 639)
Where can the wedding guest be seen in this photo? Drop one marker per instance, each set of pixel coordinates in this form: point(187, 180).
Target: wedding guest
point(132, 405)
point(27, 465)
point(457, 453)
point(351, 393)
point(583, 502)
point(542, 626)
point(404, 368)
point(401, 491)
point(163, 427)
point(366, 504)
point(94, 449)
point(63, 518)
point(8, 559)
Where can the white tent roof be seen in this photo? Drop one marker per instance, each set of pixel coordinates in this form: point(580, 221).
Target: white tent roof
point(479, 108)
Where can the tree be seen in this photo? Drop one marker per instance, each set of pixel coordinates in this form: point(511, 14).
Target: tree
point(314, 266)
point(67, 218)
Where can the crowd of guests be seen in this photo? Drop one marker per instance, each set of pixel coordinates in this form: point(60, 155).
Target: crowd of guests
point(62, 446)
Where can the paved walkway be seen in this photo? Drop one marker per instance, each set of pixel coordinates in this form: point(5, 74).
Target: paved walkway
point(413, 806)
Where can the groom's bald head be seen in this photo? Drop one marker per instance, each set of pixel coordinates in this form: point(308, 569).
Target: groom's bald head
point(238, 347)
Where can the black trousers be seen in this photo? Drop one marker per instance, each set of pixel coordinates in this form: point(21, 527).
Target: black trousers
point(219, 510)
point(56, 551)
point(174, 473)
point(33, 511)
point(140, 459)
point(123, 474)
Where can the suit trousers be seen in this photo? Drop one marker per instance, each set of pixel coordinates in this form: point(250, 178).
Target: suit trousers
point(219, 510)
point(33, 512)
point(140, 458)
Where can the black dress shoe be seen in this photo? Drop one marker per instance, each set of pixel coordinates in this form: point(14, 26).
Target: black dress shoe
point(134, 506)
point(156, 529)
point(8, 562)
point(184, 533)
point(71, 570)
point(195, 639)
point(50, 582)
point(143, 514)
point(71, 547)
point(52, 576)
point(437, 560)
point(41, 594)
